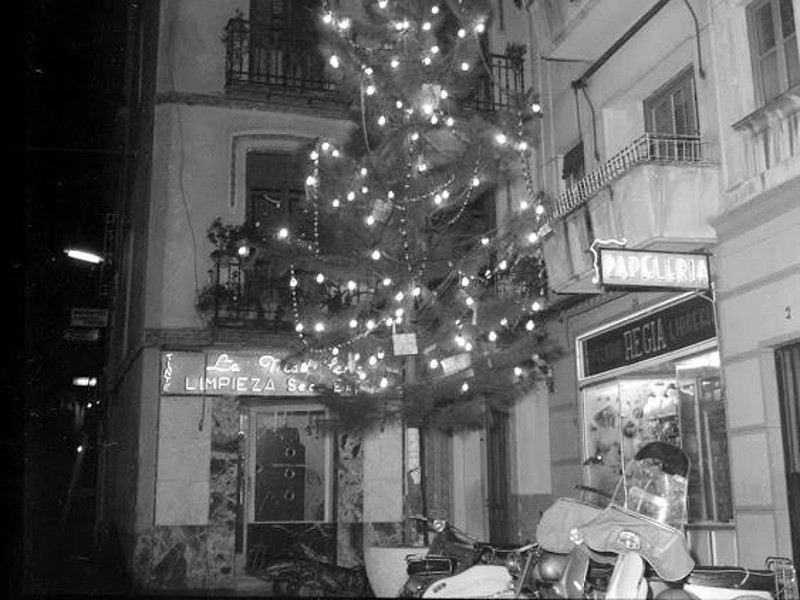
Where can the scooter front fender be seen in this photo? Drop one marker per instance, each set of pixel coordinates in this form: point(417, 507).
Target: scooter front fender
point(480, 581)
point(573, 578)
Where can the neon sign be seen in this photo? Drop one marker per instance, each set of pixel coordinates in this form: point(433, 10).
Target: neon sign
point(618, 267)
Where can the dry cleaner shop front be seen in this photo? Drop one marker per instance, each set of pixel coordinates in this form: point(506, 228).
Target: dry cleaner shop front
point(655, 375)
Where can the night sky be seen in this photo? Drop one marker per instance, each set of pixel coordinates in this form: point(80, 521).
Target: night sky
point(72, 82)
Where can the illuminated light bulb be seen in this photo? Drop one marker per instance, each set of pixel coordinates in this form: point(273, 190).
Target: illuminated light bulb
point(376, 255)
point(530, 325)
point(465, 281)
point(326, 146)
point(319, 327)
point(536, 306)
point(434, 364)
point(422, 167)
point(293, 282)
point(460, 340)
point(485, 241)
point(387, 281)
point(311, 180)
point(344, 23)
point(503, 321)
point(465, 387)
point(351, 285)
point(370, 220)
point(533, 237)
point(501, 138)
point(381, 120)
point(462, 32)
point(470, 301)
point(394, 63)
point(434, 120)
point(364, 189)
point(320, 278)
point(524, 205)
point(539, 209)
point(398, 320)
point(243, 251)
point(334, 61)
point(351, 196)
point(536, 107)
point(450, 121)
point(353, 323)
point(492, 336)
point(518, 371)
point(402, 25)
point(399, 312)
point(415, 136)
point(399, 104)
point(370, 90)
point(363, 171)
point(370, 324)
point(399, 296)
point(382, 3)
point(480, 28)
point(79, 449)
point(372, 361)
point(503, 265)
point(437, 198)
point(283, 233)
point(426, 61)
point(465, 66)
point(468, 347)
point(368, 70)
point(445, 194)
point(416, 291)
point(476, 181)
point(335, 153)
point(435, 50)
point(314, 155)
point(335, 352)
point(523, 145)
point(390, 195)
point(336, 203)
point(89, 405)
point(426, 26)
point(362, 376)
point(327, 18)
point(356, 357)
point(298, 328)
point(435, 9)
point(388, 321)
point(384, 382)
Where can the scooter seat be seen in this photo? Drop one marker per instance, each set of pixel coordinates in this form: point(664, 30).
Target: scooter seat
point(733, 577)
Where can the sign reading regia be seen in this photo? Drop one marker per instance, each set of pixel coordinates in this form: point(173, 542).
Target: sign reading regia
point(246, 373)
point(662, 331)
point(625, 268)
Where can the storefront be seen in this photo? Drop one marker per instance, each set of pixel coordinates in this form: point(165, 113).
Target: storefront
point(655, 375)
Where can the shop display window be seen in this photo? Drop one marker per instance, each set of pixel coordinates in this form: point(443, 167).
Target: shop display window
point(679, 402)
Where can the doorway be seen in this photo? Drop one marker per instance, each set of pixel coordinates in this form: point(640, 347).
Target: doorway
point(787, 365)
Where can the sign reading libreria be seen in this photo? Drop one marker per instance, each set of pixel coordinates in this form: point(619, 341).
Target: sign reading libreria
point(642, 268)
point(672, 328)
point(245, 373)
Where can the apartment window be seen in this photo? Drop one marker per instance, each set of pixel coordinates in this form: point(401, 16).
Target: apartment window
point(275, 191)
point(573, 169)
point(671, 119)
point(773, 47)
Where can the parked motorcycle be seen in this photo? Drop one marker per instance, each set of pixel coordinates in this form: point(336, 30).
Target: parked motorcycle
point(459, 566)
point(641, 531)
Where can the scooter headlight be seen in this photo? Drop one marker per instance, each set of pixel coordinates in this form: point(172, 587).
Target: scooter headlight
point(629, 540)
point(439, 525)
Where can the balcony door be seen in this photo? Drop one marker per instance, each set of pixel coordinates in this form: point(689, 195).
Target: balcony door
point(671, 118)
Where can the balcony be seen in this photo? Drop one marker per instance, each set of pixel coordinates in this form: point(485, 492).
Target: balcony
point(263, 60)
point(658, 192)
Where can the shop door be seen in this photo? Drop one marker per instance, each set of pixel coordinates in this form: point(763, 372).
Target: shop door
point(289, 487)
point(498, 474)
point(788, 370)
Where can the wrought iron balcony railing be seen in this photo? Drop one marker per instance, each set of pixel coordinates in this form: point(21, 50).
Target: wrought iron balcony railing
point(654, 148)
point(287, 60)
point(278, 57)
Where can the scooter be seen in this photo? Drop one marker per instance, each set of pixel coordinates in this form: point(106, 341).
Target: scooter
point(642, 531)
point(459, 566)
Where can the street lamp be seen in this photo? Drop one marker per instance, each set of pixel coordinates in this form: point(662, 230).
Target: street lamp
point(84, 255)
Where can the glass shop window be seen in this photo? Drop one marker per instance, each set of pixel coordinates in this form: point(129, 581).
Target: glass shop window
point(290, 467)
point(680, 402)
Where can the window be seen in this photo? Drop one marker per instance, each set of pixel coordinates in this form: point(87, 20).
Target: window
point(773, 48)
point(275, 191)
point(671, 119)
point(573, 169)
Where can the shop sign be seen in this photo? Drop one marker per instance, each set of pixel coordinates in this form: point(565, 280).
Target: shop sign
point(622, 268)
point(672, 328)
point(245, 373)
point(89, 317)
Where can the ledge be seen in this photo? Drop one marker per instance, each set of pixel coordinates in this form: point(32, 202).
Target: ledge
point(785, 104)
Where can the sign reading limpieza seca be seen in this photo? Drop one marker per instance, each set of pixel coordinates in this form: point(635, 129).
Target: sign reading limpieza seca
point(245, 373)
point(641, 268)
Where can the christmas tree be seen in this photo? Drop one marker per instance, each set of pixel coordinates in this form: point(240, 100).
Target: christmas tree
point(422, 310)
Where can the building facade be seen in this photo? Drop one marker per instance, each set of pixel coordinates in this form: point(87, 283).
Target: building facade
point(213, 463)
point(669, 129)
